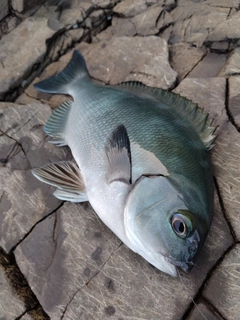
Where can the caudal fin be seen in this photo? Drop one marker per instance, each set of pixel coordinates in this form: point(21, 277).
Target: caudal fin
point(61, 82)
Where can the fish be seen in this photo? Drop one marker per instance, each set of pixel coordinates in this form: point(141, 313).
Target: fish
point(141, 160)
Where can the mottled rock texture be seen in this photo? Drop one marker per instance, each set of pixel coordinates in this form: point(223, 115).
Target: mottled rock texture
point(130, 63)
point(223, 287)
point(15, 64)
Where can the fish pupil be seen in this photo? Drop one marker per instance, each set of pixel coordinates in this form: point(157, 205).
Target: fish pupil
point(179, 226)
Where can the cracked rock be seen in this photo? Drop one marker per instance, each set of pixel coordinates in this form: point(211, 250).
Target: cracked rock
point(193, 21)
point(130, 8)
point(23, 145)
point(108, 64)
point(203, 69)
point(201, 310)
point(234, 99)
point(223, 287)
point(62, 254)
point(15, 64)
point(226, 29)
point(184, 57)
point(210, 94)
point(232, 65)
point(11, 306)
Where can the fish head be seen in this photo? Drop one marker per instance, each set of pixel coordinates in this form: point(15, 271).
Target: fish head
point(160, 224)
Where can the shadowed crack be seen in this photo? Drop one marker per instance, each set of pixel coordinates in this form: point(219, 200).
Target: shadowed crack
point(212, 308)
point(17, 142)
point(230, 116)
point(87, 283)
point(20, 285)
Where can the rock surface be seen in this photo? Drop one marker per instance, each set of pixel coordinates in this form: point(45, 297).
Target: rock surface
point(13, 67)
point(76, 267)
point(223, 287)
point(130, 63)
point(11, 306)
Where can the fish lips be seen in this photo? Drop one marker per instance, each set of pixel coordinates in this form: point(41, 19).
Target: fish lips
point(193, 245)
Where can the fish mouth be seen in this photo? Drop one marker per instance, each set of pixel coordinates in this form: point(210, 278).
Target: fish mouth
point(185, 266)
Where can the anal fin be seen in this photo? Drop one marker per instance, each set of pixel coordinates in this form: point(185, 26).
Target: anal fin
point(66, 177)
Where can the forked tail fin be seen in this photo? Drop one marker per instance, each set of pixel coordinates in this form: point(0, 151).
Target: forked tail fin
point(60, 83)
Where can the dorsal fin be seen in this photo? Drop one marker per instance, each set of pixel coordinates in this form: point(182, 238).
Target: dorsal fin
point(188, 109)
point(76, 69)
point(55, 125)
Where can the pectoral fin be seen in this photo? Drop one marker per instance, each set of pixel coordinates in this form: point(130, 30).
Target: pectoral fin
point(119, 156)
point(66, 177)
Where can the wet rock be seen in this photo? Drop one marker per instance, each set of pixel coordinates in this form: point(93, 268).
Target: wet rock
point(210, 94)
point(184, 57)
point(65, 253)
point(203, 70)
point(130, 63)
point(4, 9)
point(234, 99)
point(232, 65)
point(226, 29)
point(130, 8)
point(11, 306)
point(223, 287)
point(202, 311)
point(15, 64)
point(23, 145)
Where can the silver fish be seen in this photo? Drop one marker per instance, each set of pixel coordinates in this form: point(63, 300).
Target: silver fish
point(142, 162)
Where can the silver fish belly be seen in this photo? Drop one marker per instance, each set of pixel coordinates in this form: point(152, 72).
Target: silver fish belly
point(142, 162)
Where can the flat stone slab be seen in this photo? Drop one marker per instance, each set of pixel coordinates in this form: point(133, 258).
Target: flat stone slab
point(202, 311)
point(15, 64)
point(131, 63)
point(210, 95)
point(234, 99)
point(78, 268)
point(23, 145)
point(223, 287)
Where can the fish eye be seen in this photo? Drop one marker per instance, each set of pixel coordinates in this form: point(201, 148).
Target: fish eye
point(181, 225)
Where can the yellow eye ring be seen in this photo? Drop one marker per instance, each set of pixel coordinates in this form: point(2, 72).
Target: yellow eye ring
point(179, 226)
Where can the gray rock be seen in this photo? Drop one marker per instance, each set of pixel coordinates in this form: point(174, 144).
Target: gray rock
point(219, 47)
point(184, 58)
point(76, 266)
point(209, 67)
point(11, 306)
point(120, 27)
point(146, 23)
point(3, 9)
point(130, 8)
point(193, 21)
point(15, 63)
point(21, 5)
point(210, 94)
point(201, 311)
point(23, 145)
point(234, 99)
point(227, 29)
point(223, 3)
point(71, 16)
point(232, 65)
point(223, 287)
point(130, 63)
point(66, 250)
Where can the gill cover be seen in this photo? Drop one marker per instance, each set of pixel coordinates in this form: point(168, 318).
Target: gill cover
point(158, 222)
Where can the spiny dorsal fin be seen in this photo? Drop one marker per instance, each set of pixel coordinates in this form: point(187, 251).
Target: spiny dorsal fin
point(183, 106)
point(66, 176)
point(76, 69)
point(119, 156)
point(55, 125)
